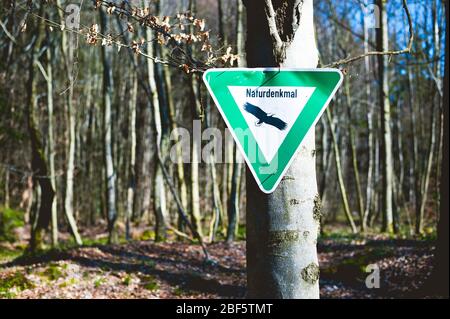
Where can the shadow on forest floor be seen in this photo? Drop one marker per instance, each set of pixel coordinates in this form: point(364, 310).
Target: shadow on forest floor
point(173, 270)
point(175, 265)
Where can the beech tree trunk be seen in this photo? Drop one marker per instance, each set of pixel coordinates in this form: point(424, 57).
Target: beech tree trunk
point(370, 165)
point(159, 199)
point(196, 218)
point(48, 74)
point(132, 164)
point(107, 140)
point(440, 275)
point(282, 233)
point(39, 166)
point(386, 135)
point(340, 175)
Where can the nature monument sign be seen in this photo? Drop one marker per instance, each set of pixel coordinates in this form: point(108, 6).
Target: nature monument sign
point(269, 111)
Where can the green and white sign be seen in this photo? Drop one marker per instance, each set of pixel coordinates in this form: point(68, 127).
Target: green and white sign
point(269, 111)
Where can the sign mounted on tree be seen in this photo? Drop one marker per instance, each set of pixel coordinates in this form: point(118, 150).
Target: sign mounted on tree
point(269, 111)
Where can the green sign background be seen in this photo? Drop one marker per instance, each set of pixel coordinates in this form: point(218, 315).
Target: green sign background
point(326, 81)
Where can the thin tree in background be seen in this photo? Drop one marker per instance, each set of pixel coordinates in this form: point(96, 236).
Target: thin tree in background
point(48, 75)
point(196, 144)
point(41, 216)
point(385, 109)
point(132, 149)
point(107, 139)
point(370, 128)
point(340, 176)
point(233, 210)
point(159, 194)
point(354, 156)
point(67, 50)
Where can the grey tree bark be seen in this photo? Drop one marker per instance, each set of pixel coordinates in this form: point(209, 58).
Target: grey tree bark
point(370, 168)
point(159, 199)
point(132, 162)
point(42, 216)
point(236, 167)
point(107, 139)
point(50, 147)
point(196, 146)
point(67, 46)
point(354, 157)
point(385, 108)
point(342, 188)
point(282, 227)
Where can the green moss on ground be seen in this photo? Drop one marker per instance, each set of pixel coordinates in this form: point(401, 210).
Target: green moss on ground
point(14, 281)
point(149, 283)
point(10, 219)
point(54, 272)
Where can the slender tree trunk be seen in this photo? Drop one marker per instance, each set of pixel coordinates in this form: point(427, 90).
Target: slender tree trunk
point(233, 201)
point(196, 145)
point(354, 157)
point(425, 180)
point(414, 173)
point(217, 204)
point(39, 166)
point(159, 195)
point(51, 145)
point(439, 279)
point(376, 194)
point(234, 167)
point(438, 70)
point(385, 107)
point(132, 161)
point(281, 237)
point(222, 36)
point(107, 140)
point(67, 55)
point(337, 160)
point(7, 176)
point(68, 200)
point(178, 149)
point(370, 166)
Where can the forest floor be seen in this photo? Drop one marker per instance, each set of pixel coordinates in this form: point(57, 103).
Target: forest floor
point(144, 269)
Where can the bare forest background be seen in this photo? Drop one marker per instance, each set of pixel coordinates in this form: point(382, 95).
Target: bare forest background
point(89, 150)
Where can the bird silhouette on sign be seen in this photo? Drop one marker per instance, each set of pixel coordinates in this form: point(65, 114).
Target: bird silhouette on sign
point(264, 117)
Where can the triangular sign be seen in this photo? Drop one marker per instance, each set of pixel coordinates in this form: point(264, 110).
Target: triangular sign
point(269, 111)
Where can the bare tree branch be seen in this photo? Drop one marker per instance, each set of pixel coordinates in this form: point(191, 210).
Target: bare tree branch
point(377, 53)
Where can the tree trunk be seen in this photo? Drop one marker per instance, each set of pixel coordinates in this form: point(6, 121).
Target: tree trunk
point(159, 194)
point(281, 237)
point(67, 55)
point(107, 140)
point(425, 180)
point(178, 149)
point(441, 263)
point(196, 143)
point(235, 168)
point(351, 133)
point(337, 160)
point(51, 145)
point(385, 108)
point(38, 159)
point(132, 163)
point(71, 114)
point(217, 203)
point(370, 165)
point(233, 201)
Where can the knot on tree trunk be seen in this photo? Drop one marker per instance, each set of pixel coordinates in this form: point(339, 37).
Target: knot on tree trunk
point(283, 18)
